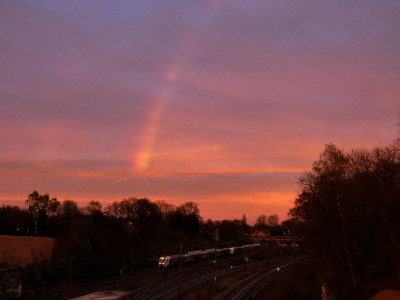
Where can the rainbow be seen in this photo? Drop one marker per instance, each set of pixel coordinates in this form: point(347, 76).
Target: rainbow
point(144, 156)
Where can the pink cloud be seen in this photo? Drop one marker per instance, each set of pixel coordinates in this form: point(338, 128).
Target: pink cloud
point(190, 101)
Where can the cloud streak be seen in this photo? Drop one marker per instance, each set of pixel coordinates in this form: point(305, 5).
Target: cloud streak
point(208, 101)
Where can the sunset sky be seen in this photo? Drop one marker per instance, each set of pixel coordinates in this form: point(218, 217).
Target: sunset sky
point(223, 103)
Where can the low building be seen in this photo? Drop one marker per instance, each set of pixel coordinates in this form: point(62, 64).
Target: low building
point(17, 251)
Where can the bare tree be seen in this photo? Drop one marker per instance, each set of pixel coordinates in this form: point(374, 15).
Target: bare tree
point(41, 206)
point(273, 220)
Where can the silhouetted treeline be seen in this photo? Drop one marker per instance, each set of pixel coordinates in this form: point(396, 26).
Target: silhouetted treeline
point(16, 221)
point(122, 236)
point(349, 209)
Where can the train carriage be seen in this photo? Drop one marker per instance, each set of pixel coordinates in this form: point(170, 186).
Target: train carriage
point(169, 260)
point(198, 255)
point(239, 249)
point(195, 255)
point(209, 253)
point(224, 251)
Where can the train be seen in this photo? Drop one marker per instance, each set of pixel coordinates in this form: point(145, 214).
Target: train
point(199, 255)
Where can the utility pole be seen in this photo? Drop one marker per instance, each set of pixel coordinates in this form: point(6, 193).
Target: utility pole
point(216, 252)
point(180, 272)
point(70, 278)
point(131, 259)
point(215, 261)
point(123, 277)
point(346, 244)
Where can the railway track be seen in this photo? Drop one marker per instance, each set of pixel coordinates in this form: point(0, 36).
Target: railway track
point(169, 284)
point(171, 288)
point(66, 291)
point(254, 285)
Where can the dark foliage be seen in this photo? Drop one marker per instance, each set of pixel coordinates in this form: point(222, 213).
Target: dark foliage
point(124, 236)
point(15, 221)
point(349, 208)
